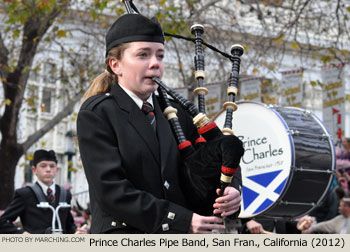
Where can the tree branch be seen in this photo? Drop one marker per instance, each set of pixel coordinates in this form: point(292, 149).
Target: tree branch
point(3, 57)
point(179, 60)
point(68, 109)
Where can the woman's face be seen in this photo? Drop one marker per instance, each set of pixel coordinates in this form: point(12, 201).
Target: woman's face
point(139, 63)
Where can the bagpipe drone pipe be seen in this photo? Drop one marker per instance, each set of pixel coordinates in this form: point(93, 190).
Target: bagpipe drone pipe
point(216, 155)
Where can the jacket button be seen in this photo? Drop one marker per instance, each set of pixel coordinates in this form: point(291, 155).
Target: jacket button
point(165, 227)
point(171, 216)
point(166, 184)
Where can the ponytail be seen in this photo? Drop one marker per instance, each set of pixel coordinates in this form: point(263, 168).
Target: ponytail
point(104, 82)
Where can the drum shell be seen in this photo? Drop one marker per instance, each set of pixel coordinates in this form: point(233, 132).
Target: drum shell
point(314, 162)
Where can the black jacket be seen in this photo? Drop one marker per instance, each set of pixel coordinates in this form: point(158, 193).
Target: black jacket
point(136, 178)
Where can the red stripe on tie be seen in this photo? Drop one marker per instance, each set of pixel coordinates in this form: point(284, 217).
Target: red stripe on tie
point(206, 128)
point(183, 145)
point(228, 170)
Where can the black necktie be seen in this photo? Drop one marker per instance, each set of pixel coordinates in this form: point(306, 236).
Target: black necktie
point(148, 110)
point(50, 196)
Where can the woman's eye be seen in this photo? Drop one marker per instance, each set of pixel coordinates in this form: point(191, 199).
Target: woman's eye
point(142, 54)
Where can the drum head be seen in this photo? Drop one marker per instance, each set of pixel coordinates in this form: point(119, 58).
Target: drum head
point(269, 155)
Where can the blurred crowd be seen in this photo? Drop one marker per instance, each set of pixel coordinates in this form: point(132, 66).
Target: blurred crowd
point(82, 216)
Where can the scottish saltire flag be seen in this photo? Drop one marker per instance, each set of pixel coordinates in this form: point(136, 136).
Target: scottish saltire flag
point(260, 191)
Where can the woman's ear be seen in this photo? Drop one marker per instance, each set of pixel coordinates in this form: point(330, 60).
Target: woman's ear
point(114, 64)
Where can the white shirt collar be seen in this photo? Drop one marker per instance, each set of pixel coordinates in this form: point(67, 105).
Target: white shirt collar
point(44, 187)
point(137, 99)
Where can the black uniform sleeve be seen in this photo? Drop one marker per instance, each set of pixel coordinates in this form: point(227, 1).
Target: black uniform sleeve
point(12, 212)
point(7, 227)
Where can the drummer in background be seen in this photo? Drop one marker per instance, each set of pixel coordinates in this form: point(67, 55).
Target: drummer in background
point(36, 220)
point(137, 181)
point(338, 225)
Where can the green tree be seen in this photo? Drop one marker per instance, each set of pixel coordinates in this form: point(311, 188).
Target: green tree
point(29, 28)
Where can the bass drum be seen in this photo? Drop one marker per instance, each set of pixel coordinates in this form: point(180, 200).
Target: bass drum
point(289, 159)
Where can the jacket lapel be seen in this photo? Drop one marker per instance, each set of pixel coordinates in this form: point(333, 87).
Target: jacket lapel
point(165, 134)
point(137, 120)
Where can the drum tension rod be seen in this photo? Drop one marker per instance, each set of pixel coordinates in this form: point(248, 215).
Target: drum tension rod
point(298, 133)
point(297, 203)
point(307, 113)
point(301, 169)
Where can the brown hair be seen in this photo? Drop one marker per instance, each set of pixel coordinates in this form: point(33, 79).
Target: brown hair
point(104, 82)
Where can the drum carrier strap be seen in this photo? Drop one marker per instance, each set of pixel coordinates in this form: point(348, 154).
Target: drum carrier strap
point(41, 197)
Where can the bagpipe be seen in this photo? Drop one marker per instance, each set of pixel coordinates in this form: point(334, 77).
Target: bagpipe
point(216, 155)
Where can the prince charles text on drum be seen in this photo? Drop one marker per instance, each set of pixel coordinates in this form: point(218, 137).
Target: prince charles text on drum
point(251, 154)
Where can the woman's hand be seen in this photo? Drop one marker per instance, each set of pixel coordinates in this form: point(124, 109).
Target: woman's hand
point(205, 224)
point(229, 203)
